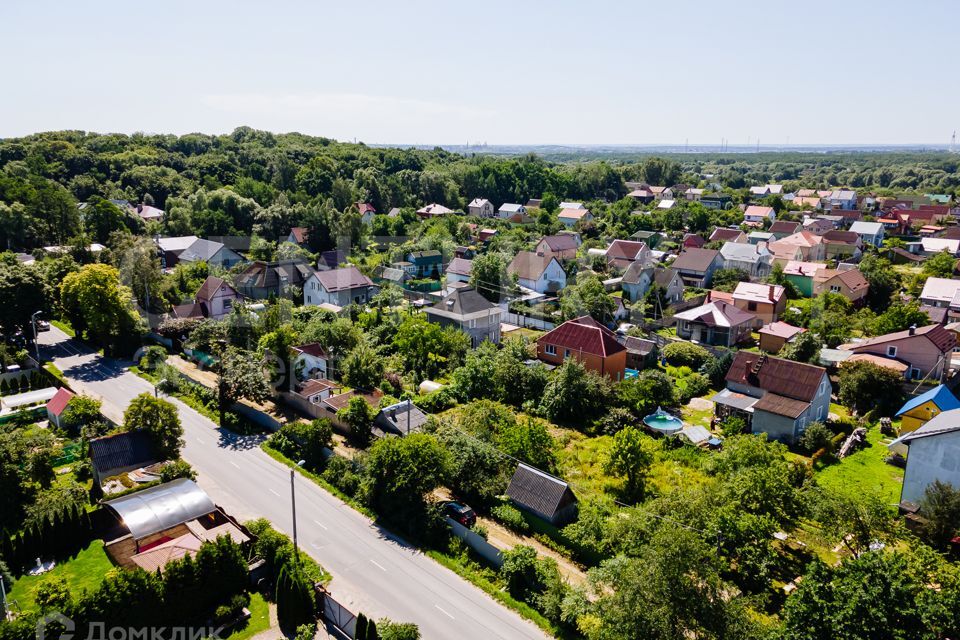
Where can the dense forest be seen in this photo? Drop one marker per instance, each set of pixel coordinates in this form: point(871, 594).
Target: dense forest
point(253, 181)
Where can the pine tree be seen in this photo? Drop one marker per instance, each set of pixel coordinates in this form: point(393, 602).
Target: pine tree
point(360, 631)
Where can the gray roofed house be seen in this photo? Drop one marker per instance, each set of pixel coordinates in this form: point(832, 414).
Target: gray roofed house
point(120, 453)
point(171, 248)
point(341, 287)
point(637, 280)
point(934, 449)
point(470, 312)
point(543, 495)
point(459, 270)
point(213, 253)
point(754, 259)
point(402, 418)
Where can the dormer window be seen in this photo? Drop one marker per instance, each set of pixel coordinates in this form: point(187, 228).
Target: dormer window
point(891, 352)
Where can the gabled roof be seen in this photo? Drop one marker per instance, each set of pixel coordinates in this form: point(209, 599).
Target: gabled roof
point(268, 274)
point(176, 244)
point(510, 207)
point(759, 292)
point(586, 335)
point(784, 226)
point(120, 450)
point(528, 265)
point(342, 279)
point(538, 491)
point(945, 422)
point(800, 268)
point(573, 214)
point(851, 278)
point(693, 259)
point(366, 207)
point(211, 286)
point(801, 239)
point(314, 349)
point(726, 235)
point(430, 253)
point(58, 402)
point(943, 289)
point(625, 249)
point(402, 417)
point(781, 330)
point(943, 339)
point(561, 242)
point(836, 236)
point(201, 250)
point(634, 272)
point(299, 234)
point(478, 202)
point(463, 301)
point(460, 266)
point(641, 346)
point(756, 211)
point(434, 210)
point(787, 378)
point(333, 258)
point(742, 252)
point(939, 395)
point(717, 314)
point(867, 228)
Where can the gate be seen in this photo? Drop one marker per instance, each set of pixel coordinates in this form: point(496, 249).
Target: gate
point(338, 615)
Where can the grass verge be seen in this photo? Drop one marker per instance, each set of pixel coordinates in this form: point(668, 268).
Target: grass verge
point(316, 479)
point(476, 579)
point(65, 327)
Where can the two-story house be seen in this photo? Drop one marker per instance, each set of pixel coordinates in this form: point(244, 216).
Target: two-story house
point(925, 351)
point(766, 301)
point(264, 279)
point(215, 299)
point(638, 279)
point(426, 264)
point(842, 245)
point(775, 396)
point(543, 274)
point(623, 253)
point(468, 311)
point(570, 217)
point(481, 207)
point(562, 246)
point(869, 232)
point(589, 342)
point(310, 361)
point(716, 323)
point(851, 284)
point(751, 258)
point(933, 451)
point(459, 270)
point(340, 287)
point(756, 215)
point(696, 266)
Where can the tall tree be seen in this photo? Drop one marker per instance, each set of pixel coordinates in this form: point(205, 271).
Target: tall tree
point(158, 418)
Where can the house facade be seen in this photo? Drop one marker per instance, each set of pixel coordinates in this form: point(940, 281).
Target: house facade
point(716, 323)
point(481, 207)
point(467, 310)
point(933, 451)
point(426, 264)
point(589, 342)
point(310, 361)
point(776, 396)
point(339, 287)
point(925, 351)
point(869, 232)
point(753, 259)
point(543, 274)
point(562, 246)
point(696, 266)
point(756, 215)
point(638, 279)
point(766, 301)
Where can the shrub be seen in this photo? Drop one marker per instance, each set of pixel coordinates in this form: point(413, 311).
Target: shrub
point(733, 425)
point(153, 357)
point(295, 602)
point(816, 436)
point(389, 630)
point(685, 354)
point(694, 385)
point(438, 401)
point(510, 517)
point(177, 469)
point(342, 474)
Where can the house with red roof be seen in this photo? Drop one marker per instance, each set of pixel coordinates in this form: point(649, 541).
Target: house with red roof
point(367, 211)
point(925, 350)
point(562, 246)
point(589, 342)
point(776, 334)
point(57, 404)
point(298, 236)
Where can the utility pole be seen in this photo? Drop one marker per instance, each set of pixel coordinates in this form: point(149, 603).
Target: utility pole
point(293, 510)
point(36, 340)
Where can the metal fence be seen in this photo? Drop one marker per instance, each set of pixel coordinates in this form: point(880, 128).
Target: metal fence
point(336, 614)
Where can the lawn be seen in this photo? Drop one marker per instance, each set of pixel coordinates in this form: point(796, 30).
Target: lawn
point(865, 471)
point(85, 571)
point(259, 619)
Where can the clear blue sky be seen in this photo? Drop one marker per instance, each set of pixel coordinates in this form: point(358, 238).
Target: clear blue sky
point(515, 71)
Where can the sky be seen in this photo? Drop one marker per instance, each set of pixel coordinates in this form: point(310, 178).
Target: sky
point(494, 71)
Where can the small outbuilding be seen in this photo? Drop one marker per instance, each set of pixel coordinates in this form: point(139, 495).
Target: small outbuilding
point(543, 495)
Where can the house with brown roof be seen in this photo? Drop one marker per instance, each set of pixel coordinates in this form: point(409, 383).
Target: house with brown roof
point(783, 228)
point(543, 274)
point(696, 266)
point(459, 270)
point(341, 287)
point(623, 253)
point(725, 234)
point(925, 350)
point(842, 245)
point(570, 217)
point(215, 299)
point(766, 301)
point(776, 334)
point(562, 246)
point(589, 342)
point(263, 279)
point(692, 241)
point(641, 353)
point(775, 396)
point(716, 323)
point(851, 284)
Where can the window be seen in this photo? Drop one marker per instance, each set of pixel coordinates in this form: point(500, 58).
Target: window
point(566, 353)
point(227, 303)
point(834, 288)
point(820, 413)
point(550, 349)
point(751, 306)
point(309, 299)
point(891, 352)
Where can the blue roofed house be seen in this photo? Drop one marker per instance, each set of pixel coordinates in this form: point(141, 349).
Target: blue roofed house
point(919, 410)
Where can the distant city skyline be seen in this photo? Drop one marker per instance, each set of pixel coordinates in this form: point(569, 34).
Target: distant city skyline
point(842, 73)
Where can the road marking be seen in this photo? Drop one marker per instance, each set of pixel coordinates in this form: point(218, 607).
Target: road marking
point(275, 493)
point(234, 464)
point(320, 524)
point(199, 441)
point(444, 612)
point(380, 566)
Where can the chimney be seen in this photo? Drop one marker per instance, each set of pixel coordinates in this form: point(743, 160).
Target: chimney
point(913, 329)
point(770, 292)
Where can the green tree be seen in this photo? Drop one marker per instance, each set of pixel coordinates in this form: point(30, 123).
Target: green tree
point(649, 390)
point(884, 281)
point(101, 218)
point(631, 456)
point(488, 275)
point(728, 279)
point(295, 602)
point(403, 471)
point(940, 265)
point(240, 376)
point(587, 297)
point(363, 367)
point(158, 418)
point(528, 441)
point(53, 594)
point(856, 520)
point(900, 316)
point(427, 349)
point(23, 291)
point(80, 411)
point(574, 394)
point(279, 344)
point(805, 347)
point(359, 417)
point(97, 305)
point(865, 386)
point(940, 507)
point(815, 437)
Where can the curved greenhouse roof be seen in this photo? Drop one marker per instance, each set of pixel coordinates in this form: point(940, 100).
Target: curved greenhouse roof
point(162, 507)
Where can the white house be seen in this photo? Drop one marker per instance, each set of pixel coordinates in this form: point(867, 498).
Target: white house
point(869, 232)
point(310, 361)
point(459, 270)
point(481, 207)
point(940, 292)
point(933, 246)
point(752, 258)
point(542, 274)
point(509, 209)
point(844, 199)
point(756, 214)
point(572, 205)
point(570, 217)
point(933, 453)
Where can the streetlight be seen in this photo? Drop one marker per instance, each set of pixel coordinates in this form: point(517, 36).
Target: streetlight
point(293, 509)
point(222, 349)
point(36, 342)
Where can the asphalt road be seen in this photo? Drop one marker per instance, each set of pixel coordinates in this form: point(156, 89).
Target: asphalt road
point(372, 572)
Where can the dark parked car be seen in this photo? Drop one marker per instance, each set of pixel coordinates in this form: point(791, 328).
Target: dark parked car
point(461, 513)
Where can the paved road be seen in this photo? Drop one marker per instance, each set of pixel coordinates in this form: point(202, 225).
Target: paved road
point(373, 572)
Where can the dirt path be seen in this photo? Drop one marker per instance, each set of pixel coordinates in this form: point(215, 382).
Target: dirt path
point(504, 539)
